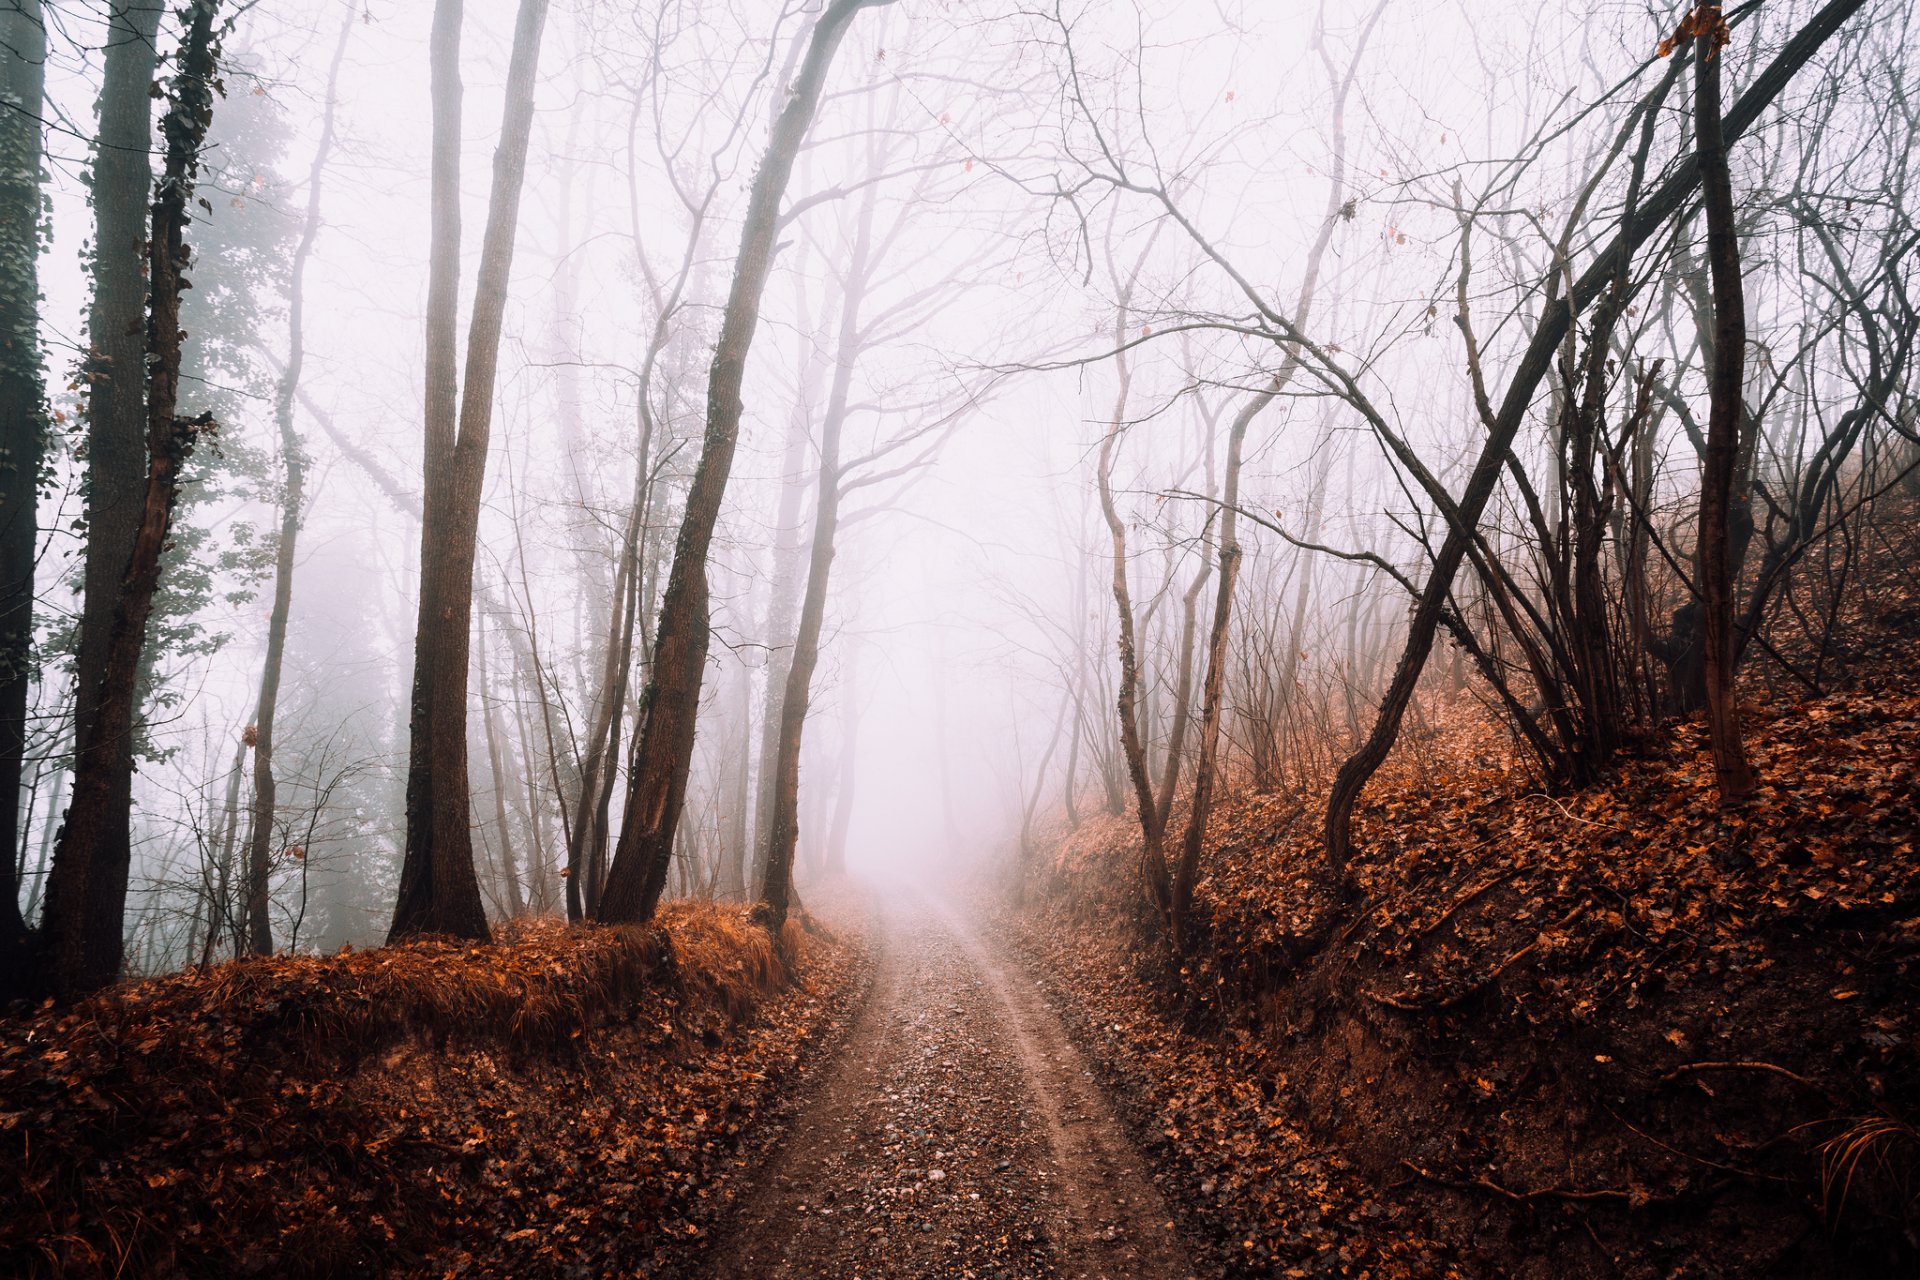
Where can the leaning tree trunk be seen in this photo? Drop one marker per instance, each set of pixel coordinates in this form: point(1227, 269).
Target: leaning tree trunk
point(1732, 774)
point(86, 891)
point(439, 890)
point(1639, 224)
point(23, 423)
point(294, 463)
point(663, 749)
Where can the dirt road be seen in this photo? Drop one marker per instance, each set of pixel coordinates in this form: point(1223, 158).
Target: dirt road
point(959, 1134)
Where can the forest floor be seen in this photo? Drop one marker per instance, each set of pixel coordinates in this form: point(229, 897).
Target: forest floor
point(959, 1133)
point(1609, 1032)
point(564, 1102)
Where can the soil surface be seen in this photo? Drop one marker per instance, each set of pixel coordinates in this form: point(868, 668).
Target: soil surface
point(961, 1134)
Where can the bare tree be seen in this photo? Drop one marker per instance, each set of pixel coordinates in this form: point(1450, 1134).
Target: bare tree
point(293, 465)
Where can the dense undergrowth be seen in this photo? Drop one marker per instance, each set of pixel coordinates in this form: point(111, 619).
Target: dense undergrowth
point(1603, 1033)
point(568, 1101)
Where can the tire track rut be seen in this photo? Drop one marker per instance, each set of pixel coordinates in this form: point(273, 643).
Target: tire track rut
point(960, 1134)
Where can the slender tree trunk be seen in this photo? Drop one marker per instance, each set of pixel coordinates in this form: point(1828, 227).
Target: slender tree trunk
point(1182, 694)
point(842, 821)
point(1730, 769)
point(220, 900)
point(784, 830)
point(87, 887)
point(23, 424)
point(657, 782)
point(1152, 831)
point(509, 870)
point(294, 465)
point(1031, 807)
point(783, 602)
point(439, 892)
point(736, 848)
point(1213, 699)
point(1649, 216)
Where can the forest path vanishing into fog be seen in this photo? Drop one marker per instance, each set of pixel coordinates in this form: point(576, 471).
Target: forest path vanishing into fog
point(959, 1134)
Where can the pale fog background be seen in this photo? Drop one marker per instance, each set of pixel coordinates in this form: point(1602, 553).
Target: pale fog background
point(954, 609)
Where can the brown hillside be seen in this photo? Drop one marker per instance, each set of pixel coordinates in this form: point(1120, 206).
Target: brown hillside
point(565, 1099)
point(1605, 1033)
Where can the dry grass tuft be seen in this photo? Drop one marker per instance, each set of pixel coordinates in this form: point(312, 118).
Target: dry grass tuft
point(1875, 1163)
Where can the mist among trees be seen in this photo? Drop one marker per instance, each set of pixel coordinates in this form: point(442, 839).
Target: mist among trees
point(1290, 513)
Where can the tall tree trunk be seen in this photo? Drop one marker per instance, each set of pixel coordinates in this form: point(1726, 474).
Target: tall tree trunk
point(87, 887)
point(509, 871)
point(23, 423)
point(663, 754)
point(116, 400)
point(1182, 693)
point(1031, 804)
point(1152, 830)
point(439, 891)
point(842, 821)
point(1653, 212)
point(783, 601)
point(736, 849)
point(1731, 772)
point(294, 465)
point(1127, 698)
point(784, 829)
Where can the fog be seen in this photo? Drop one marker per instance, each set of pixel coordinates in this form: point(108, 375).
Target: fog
point(1076, 235)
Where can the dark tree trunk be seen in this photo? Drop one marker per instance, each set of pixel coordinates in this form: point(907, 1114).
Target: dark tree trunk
point(87, 887)
point(1731, 771)
point(1667, 200)
point(23, 422)
point(439, 890)
point(294, 465)
point(116, 401)
point(657, 782)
